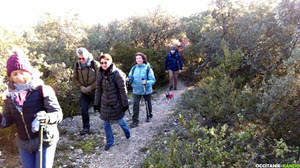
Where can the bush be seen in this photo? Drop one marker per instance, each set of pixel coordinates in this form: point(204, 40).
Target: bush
point(60, 78)
point(218, 96)
point(220, 146)
point(278, 104)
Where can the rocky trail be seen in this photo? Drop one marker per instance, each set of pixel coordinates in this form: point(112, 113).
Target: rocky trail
point(74, 150)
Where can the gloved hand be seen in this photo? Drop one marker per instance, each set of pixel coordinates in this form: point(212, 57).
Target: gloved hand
point(97, 108)
point(88, 89)
point(42, 117)
point(83, 89)
point(125, 108)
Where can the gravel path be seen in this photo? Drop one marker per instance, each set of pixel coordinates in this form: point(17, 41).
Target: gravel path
point(73, 151)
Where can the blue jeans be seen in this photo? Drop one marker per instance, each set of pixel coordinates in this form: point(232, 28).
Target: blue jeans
point(85, 101)
point(32, 160)
point(108, 131)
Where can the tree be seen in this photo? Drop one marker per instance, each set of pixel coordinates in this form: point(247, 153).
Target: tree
point(57, 38)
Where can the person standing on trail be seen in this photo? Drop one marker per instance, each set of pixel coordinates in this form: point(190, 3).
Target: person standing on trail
point(171, 67)
point(84, 78)
point(111, 97)
point(141, 76)
point(28, 103)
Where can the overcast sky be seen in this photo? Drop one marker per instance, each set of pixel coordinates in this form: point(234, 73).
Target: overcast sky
point(24, 13)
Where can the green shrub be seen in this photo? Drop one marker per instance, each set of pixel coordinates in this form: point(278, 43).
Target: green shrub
point(219, 146)
point(60, 78)
point(278, 105)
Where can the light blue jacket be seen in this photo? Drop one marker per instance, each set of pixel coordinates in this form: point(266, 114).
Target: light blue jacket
point(139, 73)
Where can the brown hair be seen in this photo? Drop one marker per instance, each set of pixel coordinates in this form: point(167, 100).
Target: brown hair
point(105, 56)
point(11, 82)
point(144, 57)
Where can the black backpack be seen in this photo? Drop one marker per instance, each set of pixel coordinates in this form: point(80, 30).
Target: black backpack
point(92, 66)
point(148, 70)
point(113, 78)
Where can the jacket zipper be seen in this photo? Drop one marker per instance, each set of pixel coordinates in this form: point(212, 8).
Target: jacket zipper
point(25, 125)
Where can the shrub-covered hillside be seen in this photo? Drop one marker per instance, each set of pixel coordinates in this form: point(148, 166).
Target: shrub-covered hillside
point(242, 57)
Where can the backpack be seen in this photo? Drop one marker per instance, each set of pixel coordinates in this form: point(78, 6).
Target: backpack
point(147, 72)
point(92, 66)
point(176, 56)
point(113, 78)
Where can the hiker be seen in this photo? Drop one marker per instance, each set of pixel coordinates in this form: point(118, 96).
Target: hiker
point(171, 67)
point(141, 70)
point(84, 78)
point(29, 103)
point(111, 97)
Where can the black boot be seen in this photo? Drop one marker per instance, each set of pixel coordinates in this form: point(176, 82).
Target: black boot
point(148, 119)
point(134, 124)
point(84, 131)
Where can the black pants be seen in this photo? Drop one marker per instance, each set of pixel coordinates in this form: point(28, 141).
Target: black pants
point(85, 102)
point(136, 106)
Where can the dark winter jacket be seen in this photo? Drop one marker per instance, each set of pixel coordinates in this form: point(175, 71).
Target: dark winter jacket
point(33, 104)
point(172, 61)
point(109, 95)
point(86, 76)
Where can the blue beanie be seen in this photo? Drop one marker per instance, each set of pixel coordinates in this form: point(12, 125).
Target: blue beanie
point(172, 48)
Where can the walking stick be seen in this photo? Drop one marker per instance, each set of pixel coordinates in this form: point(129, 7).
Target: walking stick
point(41, 145)
point(146, 103)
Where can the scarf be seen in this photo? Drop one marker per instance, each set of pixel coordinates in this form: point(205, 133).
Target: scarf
point(19, 94)
point(83, 65)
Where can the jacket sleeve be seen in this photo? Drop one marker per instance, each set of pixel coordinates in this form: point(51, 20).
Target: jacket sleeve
point(166, 62)
point(121, 82)
point(6, 119)
point(75, 78)
point(152, 79)
point(180, 62)
point(51, 105)
point(97, 67)
point(98, 91)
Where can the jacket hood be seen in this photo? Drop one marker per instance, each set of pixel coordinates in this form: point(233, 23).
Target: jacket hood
point(111, 69)
point(90, 57)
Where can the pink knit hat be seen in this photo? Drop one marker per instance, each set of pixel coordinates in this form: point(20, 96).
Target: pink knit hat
point(18, 61)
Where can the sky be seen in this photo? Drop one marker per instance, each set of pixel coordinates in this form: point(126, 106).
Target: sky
point(19, 14)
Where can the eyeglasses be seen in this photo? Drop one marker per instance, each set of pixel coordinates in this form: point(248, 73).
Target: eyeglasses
point(103, 63)
point(80, 58)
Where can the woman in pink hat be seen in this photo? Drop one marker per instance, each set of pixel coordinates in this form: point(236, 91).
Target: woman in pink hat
point(29, 103)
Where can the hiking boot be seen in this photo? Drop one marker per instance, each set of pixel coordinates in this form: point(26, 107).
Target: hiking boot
point(107, 146)
point(175, 88)
point(171, 87)
point(127, 135)
point(133, 124)
point(84, 131)
point(148, 119)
